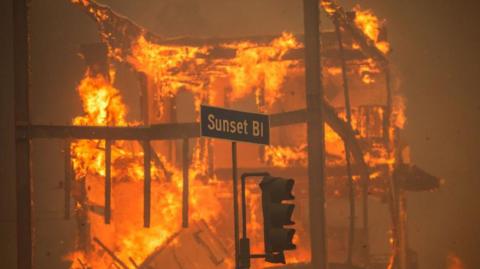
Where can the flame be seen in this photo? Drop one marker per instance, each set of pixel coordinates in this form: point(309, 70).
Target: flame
point(259, 67)
point(399, 118)
point(454, 262)
point(369, 23)
point(103, 105)
point(328, 6)
point(367, 70)
point(282, 156)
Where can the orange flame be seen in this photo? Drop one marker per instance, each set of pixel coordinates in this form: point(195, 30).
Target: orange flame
point(103, 106)
point(369, 23)
point(257, 67)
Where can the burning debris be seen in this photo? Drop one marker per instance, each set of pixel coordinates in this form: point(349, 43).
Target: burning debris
point(227, 72)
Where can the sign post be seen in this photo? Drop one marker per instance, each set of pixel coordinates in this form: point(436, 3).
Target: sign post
point(235, 126)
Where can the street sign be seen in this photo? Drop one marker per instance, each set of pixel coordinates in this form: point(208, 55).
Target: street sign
point(234, 125)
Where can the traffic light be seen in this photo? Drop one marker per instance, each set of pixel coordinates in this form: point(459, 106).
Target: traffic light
point(276, 215)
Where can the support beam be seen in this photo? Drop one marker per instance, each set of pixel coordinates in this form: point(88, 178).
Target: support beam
point(110, 253)
point(120, 33)
point(147, 183)
point(189, 130)
point(67, 186)
point(153, 132)
point(22, 149)
point(336, 12)
point(108, 181)
point(185, 167)
point(315, 135)
point(348, 113)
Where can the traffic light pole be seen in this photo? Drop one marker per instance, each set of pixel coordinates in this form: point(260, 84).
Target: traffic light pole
point(245, 256)
point(244, 199)
point(235, 203)
point(273, 252)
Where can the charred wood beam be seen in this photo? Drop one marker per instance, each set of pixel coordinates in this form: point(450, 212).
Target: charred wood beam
point(185, 187)
point(147, 183)
point(120, 32)
point(110, 253)
point(117, 30)
point(108, 181)
point(153, 132)
point(171, 131)
point(413, 178)
point(336, 12)
point(350, 183)
point(95, 57)
point(81, 214)
point(331, 54)
point(68, 179)
point(337, 124)
point(132, 261)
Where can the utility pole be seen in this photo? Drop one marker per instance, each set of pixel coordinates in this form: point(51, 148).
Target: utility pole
point(22, 118)
point(315, 135)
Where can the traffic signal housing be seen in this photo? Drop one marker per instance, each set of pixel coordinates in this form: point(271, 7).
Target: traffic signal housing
point(276, 215)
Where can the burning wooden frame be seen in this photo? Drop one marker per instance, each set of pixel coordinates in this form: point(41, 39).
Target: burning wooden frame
point(372, 138)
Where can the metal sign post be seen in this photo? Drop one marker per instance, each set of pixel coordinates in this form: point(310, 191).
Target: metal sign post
point(236, 126)
point(235, 203)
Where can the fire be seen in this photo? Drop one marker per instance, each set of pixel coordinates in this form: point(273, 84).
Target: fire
point(170, 67)
point(454, 262)
point(259, 67)
point(255, 68)
point(398, 115)
point(103, 105)
point(370, 24)
point(367, 70)
point(281, 156)
point(328, 6)
point(293, 156)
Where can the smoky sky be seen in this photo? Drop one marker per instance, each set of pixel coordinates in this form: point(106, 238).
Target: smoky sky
point(435, 53)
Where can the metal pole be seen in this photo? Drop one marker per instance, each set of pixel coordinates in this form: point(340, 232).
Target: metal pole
point(68, 179)
point(315, 135)
point(244, 243)
point(185, 183)
point(235, 203)
point(108, 180)
point(147, 183)
point(243, 179)
point(244, 209)
point(22, 150)
point(348, 113)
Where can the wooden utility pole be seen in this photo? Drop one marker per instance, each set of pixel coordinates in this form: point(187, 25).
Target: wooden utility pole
point(22, 145)
point(315, 135)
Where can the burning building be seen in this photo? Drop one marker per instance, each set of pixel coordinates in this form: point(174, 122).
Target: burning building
point(154, 194)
